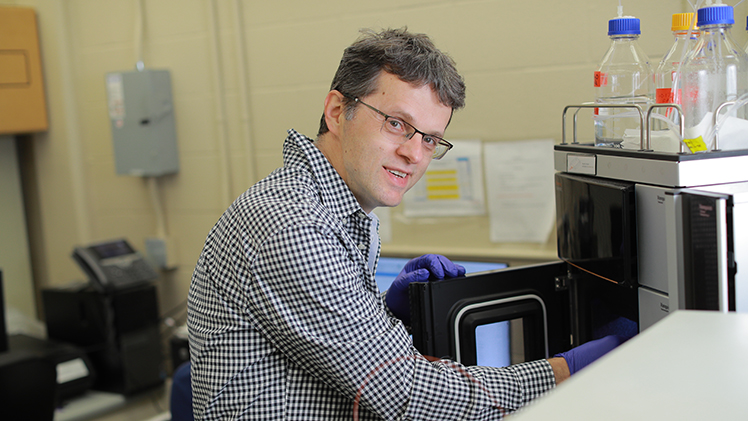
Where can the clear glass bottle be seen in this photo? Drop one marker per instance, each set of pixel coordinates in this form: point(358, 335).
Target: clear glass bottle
point(667, 74)
point(668, 71)
point(716, 71)
point(623, 77)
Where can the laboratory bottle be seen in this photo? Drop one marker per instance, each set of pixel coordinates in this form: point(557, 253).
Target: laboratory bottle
point(668, 71)
point(667, 74)
point(623, 77)
point(715, 71)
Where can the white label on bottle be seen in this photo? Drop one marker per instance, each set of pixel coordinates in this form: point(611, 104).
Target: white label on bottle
point(581, 164)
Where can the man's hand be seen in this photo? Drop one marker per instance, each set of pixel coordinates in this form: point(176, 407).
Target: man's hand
point(421, 269)
point(579, 357)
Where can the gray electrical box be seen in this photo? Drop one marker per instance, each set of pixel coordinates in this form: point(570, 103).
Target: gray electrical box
point(141, 113)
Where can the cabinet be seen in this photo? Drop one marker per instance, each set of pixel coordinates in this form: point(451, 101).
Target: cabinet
point(22, 103)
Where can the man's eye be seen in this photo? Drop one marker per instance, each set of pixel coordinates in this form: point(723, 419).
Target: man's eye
point(396, 124)
point(431, 141)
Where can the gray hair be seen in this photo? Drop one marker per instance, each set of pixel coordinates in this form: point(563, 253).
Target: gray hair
point(413, 58)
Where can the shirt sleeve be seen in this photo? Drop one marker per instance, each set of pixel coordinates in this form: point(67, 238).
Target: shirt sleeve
point(389, 312)
point(309, 297)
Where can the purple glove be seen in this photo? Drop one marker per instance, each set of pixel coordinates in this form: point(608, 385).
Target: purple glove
point(421, 269)
point(579, 357)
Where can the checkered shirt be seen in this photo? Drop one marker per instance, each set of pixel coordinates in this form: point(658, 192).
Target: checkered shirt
point(286, 321)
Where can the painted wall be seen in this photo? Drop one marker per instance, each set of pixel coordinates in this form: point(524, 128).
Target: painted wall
point(243, 72)
point(15, 262)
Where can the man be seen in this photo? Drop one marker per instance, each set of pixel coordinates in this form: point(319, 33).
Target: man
point(285, 318)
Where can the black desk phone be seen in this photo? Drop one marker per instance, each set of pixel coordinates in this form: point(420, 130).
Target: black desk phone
point(114, 265)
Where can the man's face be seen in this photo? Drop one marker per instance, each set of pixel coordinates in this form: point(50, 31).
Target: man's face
point(377, 169)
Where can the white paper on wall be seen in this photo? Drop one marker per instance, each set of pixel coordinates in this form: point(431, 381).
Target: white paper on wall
point(519, 185)
point(452, 186)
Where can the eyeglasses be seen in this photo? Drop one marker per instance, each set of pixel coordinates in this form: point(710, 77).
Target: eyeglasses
point(399, 130)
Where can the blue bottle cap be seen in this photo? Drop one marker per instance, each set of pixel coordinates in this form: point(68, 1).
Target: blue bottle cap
point(626, 25)
point(716, 14)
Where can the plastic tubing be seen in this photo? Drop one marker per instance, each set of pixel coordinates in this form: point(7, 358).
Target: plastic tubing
point(731, 112)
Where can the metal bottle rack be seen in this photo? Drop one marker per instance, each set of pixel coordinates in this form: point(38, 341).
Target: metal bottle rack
point(645, 165)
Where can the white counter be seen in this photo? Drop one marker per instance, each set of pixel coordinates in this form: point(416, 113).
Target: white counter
point(692, 365)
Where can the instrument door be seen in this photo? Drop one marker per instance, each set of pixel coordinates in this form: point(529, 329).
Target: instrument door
point(494, 318)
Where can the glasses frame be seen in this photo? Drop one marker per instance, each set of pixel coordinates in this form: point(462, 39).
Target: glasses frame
point(443, 142)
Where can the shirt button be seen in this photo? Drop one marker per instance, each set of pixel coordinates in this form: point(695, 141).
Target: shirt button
point(361, 247)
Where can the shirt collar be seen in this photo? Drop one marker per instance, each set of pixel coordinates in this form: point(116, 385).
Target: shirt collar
point(335, 194)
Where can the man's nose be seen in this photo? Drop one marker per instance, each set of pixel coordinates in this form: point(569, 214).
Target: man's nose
point(413, 149)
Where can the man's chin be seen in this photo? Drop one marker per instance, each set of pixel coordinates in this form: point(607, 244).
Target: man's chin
point(391, 203)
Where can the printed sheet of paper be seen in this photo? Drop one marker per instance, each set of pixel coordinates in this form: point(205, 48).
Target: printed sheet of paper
point(452, 186)
point(519, 185)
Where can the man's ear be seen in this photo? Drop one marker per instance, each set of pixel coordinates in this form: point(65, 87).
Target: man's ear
point(334, 111)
